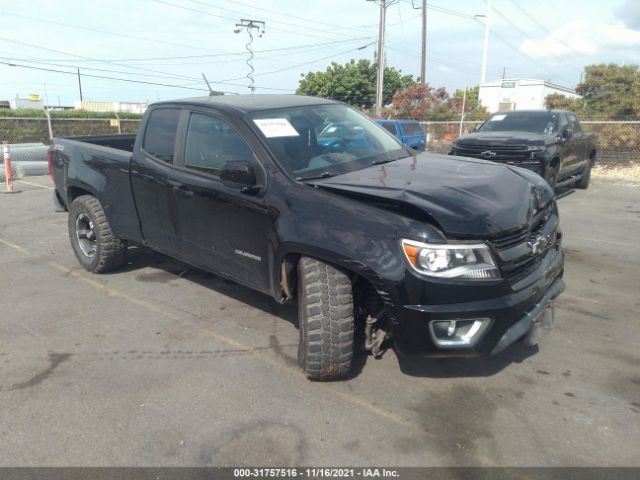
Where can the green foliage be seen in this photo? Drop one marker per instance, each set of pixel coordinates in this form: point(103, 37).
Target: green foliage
point(610, 92)
point(353, 83)
point(472, 108)
point(557, 101)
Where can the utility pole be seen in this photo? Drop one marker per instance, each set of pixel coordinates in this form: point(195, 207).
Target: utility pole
point(423, 56)
point(249, 26)
point(487, 26)
point(380, 57)
point(423, 59)
point(79, 84)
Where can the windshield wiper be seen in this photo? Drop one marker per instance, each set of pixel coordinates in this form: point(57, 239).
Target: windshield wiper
point(387, 160)
point(315, 177)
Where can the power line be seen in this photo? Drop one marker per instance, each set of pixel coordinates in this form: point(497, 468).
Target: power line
point(517, 50)
point(105, 32)
point(186, 87)
point(30, 67)
point(84, 57)
point(203, 12)
point(307, 63)
point(211, 55)
point(525, 34)
point(271, 20)
point(545, 29)
point(310, 20)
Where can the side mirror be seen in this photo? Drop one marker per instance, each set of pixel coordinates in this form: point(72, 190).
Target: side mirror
point(238, 173)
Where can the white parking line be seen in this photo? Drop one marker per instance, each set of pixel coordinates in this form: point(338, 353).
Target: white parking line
point(34, 184)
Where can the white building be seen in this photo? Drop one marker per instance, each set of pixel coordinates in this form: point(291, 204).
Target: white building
point(519, 94)
point(97, 106)
point(34, 102)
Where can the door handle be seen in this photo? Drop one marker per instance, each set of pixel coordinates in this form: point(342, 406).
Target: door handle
point(179, 188)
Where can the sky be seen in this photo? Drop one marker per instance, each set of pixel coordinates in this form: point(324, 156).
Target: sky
point(173, 42)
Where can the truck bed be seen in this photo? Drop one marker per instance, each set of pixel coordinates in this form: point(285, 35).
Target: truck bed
point(104, 160)
point(119, 141)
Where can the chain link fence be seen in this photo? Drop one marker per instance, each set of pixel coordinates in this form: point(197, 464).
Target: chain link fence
point(618, 142)
point(29, 138)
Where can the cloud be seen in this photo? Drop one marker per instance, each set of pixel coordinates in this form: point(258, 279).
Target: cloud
point(585, 38)
point(629, 14)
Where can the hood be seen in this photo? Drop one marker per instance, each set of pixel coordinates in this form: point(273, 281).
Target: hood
point(505, 138)
point(466, 197)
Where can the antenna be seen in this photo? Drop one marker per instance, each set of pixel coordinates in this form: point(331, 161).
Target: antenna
point(212, 92)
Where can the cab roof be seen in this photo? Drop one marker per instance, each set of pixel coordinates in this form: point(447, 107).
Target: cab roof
point(250, 103)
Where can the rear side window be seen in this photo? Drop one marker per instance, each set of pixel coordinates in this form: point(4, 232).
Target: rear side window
point(412, 129)
point(211, 142)
point(391, 127)
point(160, 135)
point(574, 124)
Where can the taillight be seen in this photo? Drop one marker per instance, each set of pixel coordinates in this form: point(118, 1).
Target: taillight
point(50, 162)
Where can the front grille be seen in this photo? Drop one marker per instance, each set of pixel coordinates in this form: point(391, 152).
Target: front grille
point(515, 257)
point(498, 153)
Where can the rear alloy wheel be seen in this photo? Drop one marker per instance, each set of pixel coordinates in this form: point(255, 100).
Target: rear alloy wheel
point(325, 317)
point(551, 177)
point(96, 247)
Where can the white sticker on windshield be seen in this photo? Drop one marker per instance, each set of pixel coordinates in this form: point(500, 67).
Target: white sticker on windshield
point(276, 127)
point(497, 118)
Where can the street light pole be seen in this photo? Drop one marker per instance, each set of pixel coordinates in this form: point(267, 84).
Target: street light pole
point(485, 51)
point(380, 59)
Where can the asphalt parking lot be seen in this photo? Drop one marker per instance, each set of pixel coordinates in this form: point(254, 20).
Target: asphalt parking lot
point(161, 364)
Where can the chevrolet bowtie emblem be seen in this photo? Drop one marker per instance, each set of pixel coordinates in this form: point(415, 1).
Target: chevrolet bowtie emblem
point(488, 154)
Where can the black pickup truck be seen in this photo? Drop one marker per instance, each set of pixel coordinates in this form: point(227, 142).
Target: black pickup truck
point(379, 244)
point(548, 142)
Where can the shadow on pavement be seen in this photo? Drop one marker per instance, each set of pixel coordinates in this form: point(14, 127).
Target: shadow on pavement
point(464, 366)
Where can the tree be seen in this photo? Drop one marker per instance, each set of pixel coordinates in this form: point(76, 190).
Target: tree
point(473, 110)
point(417, 101)
point(353, 83)
point(608, 91)
point(557, 101)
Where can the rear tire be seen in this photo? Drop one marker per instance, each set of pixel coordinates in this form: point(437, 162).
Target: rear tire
point(551, 177)
point(325, 317)
point(585, 179)
point(96, 247)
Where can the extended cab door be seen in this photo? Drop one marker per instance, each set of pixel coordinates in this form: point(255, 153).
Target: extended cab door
point(580, 143)
point(570, 146)
point(220, 228)
point(152, 160)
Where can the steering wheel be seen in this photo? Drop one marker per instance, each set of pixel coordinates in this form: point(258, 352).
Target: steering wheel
point(336, 146)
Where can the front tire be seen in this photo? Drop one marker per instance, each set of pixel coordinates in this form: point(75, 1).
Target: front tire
point(326, 322)
point(96, 247)
point(551, 177)
point(585, 179)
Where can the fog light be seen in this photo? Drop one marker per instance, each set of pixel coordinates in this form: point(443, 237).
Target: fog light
point(458, 333)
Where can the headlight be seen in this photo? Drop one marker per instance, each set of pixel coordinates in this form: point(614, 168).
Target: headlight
point(536, 148)
point(450, 261)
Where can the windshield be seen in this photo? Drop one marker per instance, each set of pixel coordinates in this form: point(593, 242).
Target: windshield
point(533, 122)
point(325, 140)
